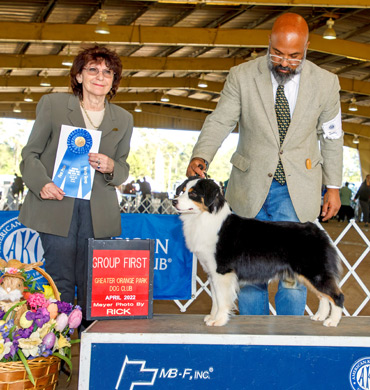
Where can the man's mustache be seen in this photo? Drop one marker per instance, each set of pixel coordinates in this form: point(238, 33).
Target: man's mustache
point(279, 67)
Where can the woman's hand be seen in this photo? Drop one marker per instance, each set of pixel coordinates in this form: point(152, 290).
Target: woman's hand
point(101, 162)
point(52, 191)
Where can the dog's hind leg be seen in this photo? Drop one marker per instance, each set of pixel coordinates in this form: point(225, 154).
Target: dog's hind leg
point(225, 289)
point(331, 300)
point(323, 310)
point(335, 315)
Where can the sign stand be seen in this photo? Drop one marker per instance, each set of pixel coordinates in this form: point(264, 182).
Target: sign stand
point(120, 279)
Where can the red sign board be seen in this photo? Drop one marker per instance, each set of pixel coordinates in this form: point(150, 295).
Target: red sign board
point(120, 279)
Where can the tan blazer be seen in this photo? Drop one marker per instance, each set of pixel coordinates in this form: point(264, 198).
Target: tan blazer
point(38, 156)
point(247, 99)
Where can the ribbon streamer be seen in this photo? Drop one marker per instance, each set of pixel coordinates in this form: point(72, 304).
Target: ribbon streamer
point(75, 167)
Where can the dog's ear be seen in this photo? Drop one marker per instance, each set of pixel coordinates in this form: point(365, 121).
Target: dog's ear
point(181, 187)
point(213, 197)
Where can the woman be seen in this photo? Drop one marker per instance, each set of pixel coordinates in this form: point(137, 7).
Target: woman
point(363, 194)
point(65, 223)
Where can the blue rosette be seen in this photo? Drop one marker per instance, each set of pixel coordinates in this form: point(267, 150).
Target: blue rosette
point(75, 167)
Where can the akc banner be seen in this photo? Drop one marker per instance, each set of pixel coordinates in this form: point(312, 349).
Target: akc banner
point(174, 273)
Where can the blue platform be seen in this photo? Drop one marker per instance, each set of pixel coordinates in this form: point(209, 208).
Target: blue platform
point(262, 352)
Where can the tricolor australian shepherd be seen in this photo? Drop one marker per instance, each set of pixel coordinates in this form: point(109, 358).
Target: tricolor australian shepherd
point(232, 249)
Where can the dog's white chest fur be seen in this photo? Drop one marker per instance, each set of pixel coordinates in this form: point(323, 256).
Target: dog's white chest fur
point(201, 230)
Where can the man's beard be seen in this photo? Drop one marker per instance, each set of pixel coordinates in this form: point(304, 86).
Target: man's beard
point(283, 78)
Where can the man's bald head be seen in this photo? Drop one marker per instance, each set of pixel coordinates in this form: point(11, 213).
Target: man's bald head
point(291, 28)
point(288, 44)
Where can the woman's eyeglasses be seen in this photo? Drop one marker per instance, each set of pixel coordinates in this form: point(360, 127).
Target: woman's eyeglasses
point(278, 60)
point(108, 73)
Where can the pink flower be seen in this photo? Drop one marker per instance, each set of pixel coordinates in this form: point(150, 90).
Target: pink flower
point(11, 270)
point(37, 300)
point(53, 310)
point(62, 322)
point(75, 318)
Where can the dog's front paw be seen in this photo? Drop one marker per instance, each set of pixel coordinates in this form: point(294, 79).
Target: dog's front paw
point(318, 317)
point(208, 317)
point(218, 321)
point(330, 322)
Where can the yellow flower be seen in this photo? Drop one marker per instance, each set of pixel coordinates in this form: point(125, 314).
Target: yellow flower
point(30, 346)
point(46, 328)
point(48, 292)
point(63, 342)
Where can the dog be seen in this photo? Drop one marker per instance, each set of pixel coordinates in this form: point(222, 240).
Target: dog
point(234, 250)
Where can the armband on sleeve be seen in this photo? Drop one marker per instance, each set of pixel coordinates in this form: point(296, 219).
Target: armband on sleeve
point(333, 128)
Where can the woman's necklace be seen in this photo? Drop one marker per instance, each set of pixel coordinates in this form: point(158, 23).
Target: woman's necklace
point(88, 117)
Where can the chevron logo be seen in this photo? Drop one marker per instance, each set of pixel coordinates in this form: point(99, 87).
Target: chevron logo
point(135, 369)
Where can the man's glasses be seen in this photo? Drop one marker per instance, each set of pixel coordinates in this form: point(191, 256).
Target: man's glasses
point(278, 60)
point(108, 73)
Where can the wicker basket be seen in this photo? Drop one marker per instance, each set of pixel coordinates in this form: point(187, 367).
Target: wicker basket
point(45, 370)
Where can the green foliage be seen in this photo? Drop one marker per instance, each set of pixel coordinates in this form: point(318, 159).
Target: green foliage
point(351, 165)
point(13, 136)
point(149, 146)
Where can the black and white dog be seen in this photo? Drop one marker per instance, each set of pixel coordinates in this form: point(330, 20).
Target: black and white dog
point(232, 249)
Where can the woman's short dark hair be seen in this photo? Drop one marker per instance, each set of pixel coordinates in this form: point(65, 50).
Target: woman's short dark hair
point(96, 54)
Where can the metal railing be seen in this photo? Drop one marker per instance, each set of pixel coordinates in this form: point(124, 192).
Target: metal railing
point(152, 204)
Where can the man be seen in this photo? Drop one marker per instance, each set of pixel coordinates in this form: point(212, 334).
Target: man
point(346, 209)
point(17, 186)
point(284, 105)
point(146, 192)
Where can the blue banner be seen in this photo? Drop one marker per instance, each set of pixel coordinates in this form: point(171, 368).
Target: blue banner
point(173, 268)
point(234, 367)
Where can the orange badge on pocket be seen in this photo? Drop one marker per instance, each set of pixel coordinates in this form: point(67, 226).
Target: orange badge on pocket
point(308, 164)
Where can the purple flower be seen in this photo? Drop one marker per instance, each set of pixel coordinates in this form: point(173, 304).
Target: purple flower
point(64, 307)
point(44, 350)
point(13, 350)
point(40, 317)
point(22, 333)
point(2, 313)
point(75, 318)
point(5, 328)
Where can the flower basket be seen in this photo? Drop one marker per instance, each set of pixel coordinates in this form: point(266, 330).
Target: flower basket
point(45, 371)
point(38, 371)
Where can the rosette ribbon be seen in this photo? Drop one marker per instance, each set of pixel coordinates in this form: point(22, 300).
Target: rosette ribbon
point(75, 167)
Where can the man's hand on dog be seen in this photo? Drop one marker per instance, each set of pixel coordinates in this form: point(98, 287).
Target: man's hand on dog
point(331, 204)
point(197, 167)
